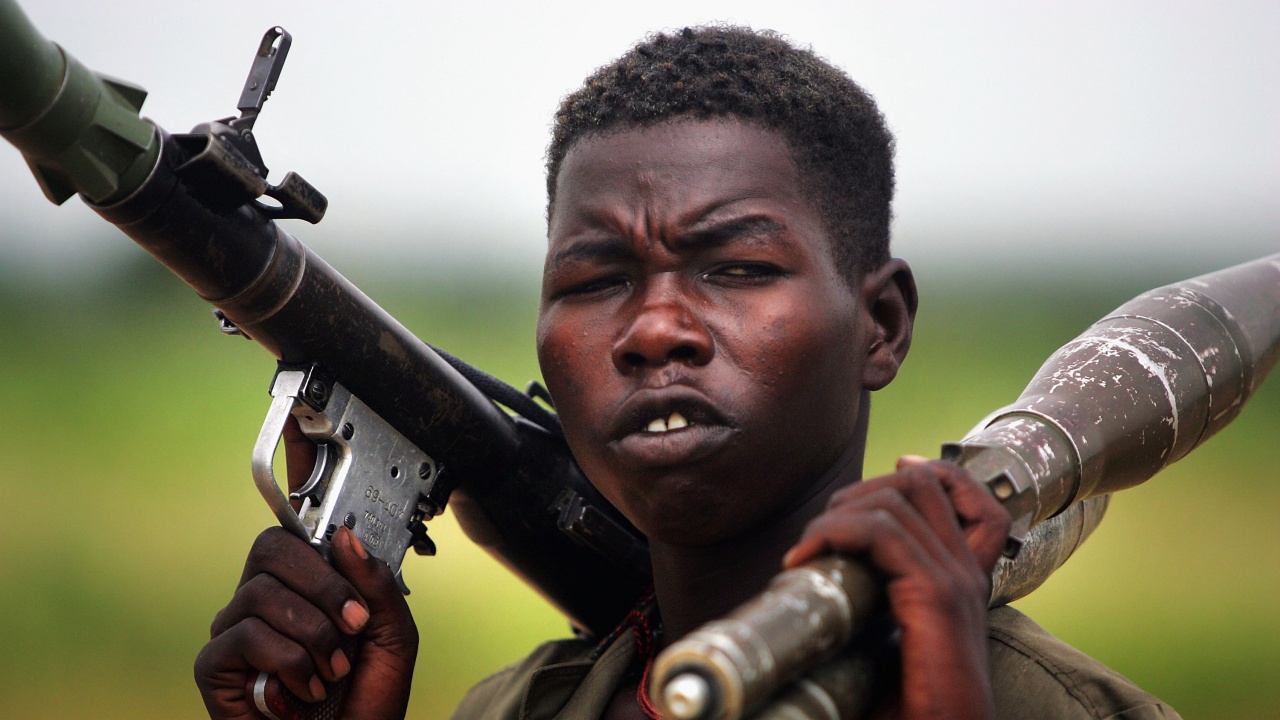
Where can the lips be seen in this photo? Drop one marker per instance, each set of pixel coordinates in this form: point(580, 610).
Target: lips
point(668, 426)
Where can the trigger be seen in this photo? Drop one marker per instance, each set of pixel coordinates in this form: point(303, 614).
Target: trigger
point(308, 489)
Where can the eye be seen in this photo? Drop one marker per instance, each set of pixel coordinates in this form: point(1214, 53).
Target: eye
point(591, 287)
point(749, 273)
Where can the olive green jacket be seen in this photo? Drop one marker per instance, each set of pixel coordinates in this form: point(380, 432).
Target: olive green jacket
point(1034, 675)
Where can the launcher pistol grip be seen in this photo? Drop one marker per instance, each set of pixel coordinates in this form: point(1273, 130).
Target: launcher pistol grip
point(367, 477)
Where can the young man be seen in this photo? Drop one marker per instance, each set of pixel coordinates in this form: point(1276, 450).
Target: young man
point(718, 303)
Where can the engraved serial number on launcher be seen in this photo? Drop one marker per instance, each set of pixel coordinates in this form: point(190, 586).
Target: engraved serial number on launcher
point(374, 531)
point(373, 495)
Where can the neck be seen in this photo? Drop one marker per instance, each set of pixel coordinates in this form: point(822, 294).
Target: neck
point(701, 583)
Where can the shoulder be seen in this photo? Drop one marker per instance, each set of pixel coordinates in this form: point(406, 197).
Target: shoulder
point(1033, 674)
point(501, 695)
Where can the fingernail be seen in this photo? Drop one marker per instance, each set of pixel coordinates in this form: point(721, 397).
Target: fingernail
point(789, 557)
point(317, 689)
point(355, 615)
point(906, 460)
point(341, 665)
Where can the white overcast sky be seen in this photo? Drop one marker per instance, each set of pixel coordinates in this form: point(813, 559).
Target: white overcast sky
point(1085, 132)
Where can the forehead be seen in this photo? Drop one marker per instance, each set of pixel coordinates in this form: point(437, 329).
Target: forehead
point(675, 171)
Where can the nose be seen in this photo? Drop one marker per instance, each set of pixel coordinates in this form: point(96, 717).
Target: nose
point(665, 327)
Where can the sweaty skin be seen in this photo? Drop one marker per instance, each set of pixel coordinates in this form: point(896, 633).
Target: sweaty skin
point(712, 369)
point(710, 363)
point(686, 274)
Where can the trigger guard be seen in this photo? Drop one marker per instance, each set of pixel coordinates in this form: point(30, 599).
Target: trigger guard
point(285, 390)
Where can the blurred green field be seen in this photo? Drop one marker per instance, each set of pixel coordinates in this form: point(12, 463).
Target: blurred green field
point(124, 451)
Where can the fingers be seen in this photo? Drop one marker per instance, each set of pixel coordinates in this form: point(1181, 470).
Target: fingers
point(383, 674)
point(285, 557)
point(293, 617)
point(369, 576)
point(880, 522)
point(252, 646)
point(910, 501)
point(288, 588)
point(934, 535)
point(228, 669)
point(289, 616)
point(928, 515)
point(983, 519)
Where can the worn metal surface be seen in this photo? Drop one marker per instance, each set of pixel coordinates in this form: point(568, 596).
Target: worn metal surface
point(1048, 546)
point(805, 615)
point(835, 690)
point(370, 477)
point(1138, 390)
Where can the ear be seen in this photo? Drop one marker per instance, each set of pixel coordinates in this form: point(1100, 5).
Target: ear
point(889, 295)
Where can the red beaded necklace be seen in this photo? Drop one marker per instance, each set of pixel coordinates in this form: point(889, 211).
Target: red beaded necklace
point(647, 648)
point(647, 631)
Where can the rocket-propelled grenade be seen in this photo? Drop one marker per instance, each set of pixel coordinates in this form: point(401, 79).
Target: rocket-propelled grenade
point(1138, 390)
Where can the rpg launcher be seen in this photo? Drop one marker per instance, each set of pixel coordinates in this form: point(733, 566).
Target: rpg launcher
point(1135, 392)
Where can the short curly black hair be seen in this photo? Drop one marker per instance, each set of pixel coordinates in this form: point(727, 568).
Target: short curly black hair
point(837, 135)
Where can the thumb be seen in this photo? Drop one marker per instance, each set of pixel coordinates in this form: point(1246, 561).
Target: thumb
point(373, 579)
point(383, 667)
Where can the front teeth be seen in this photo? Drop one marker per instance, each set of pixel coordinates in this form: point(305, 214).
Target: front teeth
point(674, 422)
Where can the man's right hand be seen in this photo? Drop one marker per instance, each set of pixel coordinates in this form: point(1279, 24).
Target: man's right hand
point(292, 614)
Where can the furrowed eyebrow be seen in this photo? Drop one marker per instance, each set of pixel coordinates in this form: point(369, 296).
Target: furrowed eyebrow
point(712, 236)
point(722, 233)
point(608, 248)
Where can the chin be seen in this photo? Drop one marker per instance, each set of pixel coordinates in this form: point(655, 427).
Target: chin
point(689, 534)
point(676, 514)
point(694, 524)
